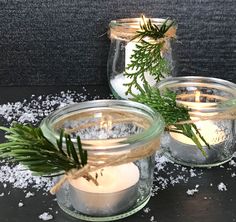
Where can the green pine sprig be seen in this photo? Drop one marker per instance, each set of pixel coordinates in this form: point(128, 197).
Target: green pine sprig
point(147, 57)
point(26, 144)
point(172, 113)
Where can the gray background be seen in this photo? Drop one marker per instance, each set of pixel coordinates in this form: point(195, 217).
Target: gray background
point(63, 42)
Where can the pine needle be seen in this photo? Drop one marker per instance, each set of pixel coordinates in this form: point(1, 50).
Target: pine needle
point(27, 145)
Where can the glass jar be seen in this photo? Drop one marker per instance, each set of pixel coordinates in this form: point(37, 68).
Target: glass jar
point(210, 101)
point(122, 32)
point(123, 133)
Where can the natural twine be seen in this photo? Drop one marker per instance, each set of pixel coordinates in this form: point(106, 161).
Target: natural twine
point(229, 114)
point(96, 162)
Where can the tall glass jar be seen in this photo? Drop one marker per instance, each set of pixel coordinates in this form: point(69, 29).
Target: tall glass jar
point(212, 105)
point(122, 134)
point(122, 32)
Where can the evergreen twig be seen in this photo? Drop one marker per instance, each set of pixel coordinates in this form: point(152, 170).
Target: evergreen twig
point(27, 145)
point(147, 57)
point(172, 113)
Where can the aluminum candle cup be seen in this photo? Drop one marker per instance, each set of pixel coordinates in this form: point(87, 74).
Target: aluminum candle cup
point(107, 199)
point(124, 132)
point(205, 97)
point(122, 32)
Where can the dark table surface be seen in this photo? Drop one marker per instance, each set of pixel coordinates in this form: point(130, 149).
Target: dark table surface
point(170, 201)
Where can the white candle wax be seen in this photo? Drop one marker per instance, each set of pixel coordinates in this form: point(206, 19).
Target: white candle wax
point(117, 190)
point(210, 132)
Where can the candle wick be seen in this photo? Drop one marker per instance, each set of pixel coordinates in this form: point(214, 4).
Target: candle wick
point(88, 177)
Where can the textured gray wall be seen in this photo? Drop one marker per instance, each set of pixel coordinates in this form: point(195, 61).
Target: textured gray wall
point(46, 42)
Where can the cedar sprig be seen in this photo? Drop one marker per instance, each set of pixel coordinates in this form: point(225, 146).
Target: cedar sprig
point(172, 113)
point(26, 144)
point(148, 56)
point(151, 30)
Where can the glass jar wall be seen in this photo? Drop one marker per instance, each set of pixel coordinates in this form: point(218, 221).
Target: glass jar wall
point(122, 134)
point(123, 45)
point(211, 104)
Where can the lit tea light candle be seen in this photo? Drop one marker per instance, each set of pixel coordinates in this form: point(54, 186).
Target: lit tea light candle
point(210, 131)
point(117, 190)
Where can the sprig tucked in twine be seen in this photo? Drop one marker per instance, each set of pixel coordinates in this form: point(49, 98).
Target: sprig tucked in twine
point(26, 144)
point(148, 56)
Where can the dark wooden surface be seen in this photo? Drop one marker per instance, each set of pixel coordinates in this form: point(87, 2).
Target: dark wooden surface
point(168, 205)
point(45, 42)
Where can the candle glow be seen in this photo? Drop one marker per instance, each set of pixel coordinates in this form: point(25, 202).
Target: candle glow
point(210, 131)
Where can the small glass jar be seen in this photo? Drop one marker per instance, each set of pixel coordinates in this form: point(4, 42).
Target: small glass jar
point(210, 101)
point(122, 32)
point(125, 132)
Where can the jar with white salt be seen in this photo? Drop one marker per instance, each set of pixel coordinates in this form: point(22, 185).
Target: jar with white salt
point(123, 45)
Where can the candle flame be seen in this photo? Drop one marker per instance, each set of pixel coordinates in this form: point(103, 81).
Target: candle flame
point(197, 96)
point(106, 123)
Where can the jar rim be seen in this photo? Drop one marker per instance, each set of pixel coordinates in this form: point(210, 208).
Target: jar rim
point(222, 84)
point(152, 132)
point(126, 28)
point(134, 22)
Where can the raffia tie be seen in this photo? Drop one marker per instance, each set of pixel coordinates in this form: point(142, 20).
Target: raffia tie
point(96, 162)
point(229, 114)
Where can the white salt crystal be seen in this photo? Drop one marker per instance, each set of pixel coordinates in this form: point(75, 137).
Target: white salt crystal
point(45, 216)
point(1, 194)
point(192, 191)
point(29, 194)
point(232, 163)
point(146, 210)
point(152, 218)
point(222, 187)
point(233, 174)
point(20, 204)
point(192, 173)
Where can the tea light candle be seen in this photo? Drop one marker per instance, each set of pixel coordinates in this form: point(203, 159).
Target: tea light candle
point(116, 192)
point(211, 132)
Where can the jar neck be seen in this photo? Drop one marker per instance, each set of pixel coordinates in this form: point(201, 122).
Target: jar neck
point(203, 95)
point(126, 29)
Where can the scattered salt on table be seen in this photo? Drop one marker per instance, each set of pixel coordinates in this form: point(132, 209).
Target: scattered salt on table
point(20, 204)
point(45, 216)
point(222, 187)
point(192, 191)
point(29, 194)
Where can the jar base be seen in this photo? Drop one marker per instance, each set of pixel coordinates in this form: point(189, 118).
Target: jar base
point(76, 214)
point(199, 165)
